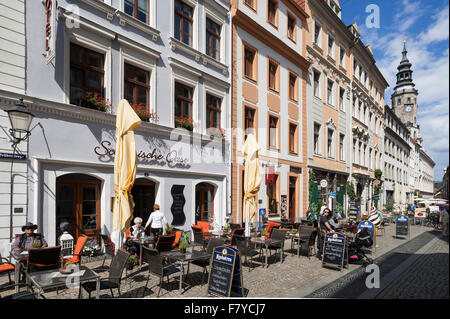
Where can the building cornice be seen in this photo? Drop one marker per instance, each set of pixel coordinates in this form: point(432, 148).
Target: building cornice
point(79, 113)
point(197, 55)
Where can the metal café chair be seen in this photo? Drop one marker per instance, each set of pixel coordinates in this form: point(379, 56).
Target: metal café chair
point(157, 267)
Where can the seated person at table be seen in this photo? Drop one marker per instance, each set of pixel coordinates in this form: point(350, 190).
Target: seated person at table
point(324, 227)
point(157, 221)
point(29, 238)
point(136, 232)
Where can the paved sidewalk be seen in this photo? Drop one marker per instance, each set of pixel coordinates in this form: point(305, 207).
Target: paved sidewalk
point(296, 277)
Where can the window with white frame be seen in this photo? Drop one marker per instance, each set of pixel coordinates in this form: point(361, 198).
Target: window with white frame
point(330, 148)
point(341, 147)
point(341, 99)
point(316, 83)
point(138, 9)
point(330, 95)
point(212, 44)
point(317, 138)
point(342, 56)
point(317, 33)
point(183, 28)
point(330, 46)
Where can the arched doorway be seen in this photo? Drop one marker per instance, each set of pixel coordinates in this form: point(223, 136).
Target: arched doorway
point(204, 202)
point(78, 205)
point(143, 192)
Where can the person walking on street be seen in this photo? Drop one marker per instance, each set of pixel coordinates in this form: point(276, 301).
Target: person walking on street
point(444, 220)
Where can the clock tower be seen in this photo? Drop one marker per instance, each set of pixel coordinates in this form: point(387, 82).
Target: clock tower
point(404, 98)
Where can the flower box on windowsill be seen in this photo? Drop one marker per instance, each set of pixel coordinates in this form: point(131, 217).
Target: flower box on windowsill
point(184, 122)
point(216, 133)
point(142, 111)
point(94, 101)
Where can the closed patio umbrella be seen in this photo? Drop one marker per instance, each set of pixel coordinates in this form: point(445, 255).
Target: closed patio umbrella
point(252, 180)
point(124, 167)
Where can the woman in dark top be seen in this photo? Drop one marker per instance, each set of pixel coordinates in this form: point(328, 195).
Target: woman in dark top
point(324, 227)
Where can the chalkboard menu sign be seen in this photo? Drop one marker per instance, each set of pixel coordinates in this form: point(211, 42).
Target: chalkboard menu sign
point(371, 228)
point(334, 251)
point(177, 207)
point(402, 226)
point(225, 277)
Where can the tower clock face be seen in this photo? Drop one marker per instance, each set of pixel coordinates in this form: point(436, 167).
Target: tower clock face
point(408, 108)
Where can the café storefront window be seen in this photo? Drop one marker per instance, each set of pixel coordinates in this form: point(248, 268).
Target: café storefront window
point(78, 205)
point(204, 202)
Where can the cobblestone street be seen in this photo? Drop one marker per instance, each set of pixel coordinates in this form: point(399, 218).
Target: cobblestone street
point(426, 278)
point(294, 278)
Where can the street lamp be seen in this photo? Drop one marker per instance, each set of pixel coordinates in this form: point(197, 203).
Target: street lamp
point(20, 118)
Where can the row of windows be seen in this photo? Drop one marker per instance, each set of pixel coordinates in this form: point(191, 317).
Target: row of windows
point(396, 127)
point(250, 72)
point(183, 24)
point(362, 76)
point(330, 147)
point(273, 134)
point(332, 89)
point(272, 17)
point(395, 174)
point(317, 40)
point(393, 150)
point(365, 156)
point(87, 89)
point(361, 112)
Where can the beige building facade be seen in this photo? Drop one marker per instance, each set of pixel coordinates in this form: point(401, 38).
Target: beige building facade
point(345, 107)
point(269, 100)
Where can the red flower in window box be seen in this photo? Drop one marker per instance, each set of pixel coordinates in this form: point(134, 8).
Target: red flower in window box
point(143, 112)
point(95, 101)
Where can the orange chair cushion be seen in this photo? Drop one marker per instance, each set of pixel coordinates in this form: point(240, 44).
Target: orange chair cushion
point(269, 228)
point(177, 237)
point(204, 226)
point(6, 267)
point(78, 249)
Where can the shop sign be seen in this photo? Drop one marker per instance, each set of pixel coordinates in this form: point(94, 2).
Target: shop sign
point(50, 29)
point(323, 183)
point(171, 157)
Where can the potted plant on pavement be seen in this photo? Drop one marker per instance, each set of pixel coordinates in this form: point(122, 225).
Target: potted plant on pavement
point(184, 242)
point(133, 260)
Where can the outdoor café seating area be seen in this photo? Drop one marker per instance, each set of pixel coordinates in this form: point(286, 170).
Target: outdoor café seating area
point(178, 262)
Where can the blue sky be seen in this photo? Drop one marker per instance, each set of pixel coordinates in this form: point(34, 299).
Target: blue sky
point(425, 24)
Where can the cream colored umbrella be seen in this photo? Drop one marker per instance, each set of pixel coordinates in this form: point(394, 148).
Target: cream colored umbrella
point(124, 166)
point(252, 180)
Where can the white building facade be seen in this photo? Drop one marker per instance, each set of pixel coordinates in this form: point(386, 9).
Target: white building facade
point(142, 54)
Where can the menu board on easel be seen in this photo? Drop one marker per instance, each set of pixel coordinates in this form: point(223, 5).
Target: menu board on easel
point(334, 251)
point(225, 276)
point(402, 226)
